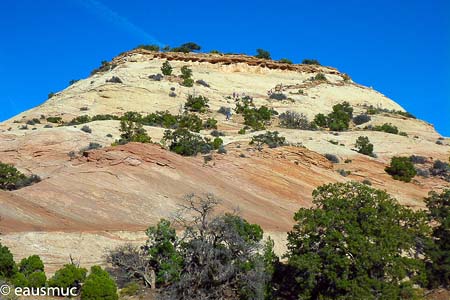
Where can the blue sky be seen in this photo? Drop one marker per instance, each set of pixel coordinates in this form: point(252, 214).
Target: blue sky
point(401, 48)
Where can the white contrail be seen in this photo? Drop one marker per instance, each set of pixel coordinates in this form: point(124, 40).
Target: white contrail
point(102, 10)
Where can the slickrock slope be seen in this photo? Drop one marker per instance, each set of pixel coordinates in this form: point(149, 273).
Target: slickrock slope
point(108, 196)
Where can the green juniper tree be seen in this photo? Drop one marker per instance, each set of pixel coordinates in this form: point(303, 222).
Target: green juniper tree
point(438, 253)
point(364, 146)
point(166, 68)
point(357, 243)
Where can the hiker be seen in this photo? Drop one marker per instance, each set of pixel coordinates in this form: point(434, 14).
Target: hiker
point(228, 114)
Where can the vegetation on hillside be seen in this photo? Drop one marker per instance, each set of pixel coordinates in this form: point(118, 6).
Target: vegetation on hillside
point(132, 132)
point(364, 146)
point(186, 75)
point(186, 143)
point(438, 251)
point(308, 61)
point(401, 168)
point(338, 120)
point(166, 68)
point(350, 246)
point(269, 138)
point(261, 53)
point(255, 118)
point(294, 120)
point(196, 104)
point(12, 179)
point(356, 242)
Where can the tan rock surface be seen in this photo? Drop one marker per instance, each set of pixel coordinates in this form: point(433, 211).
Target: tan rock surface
point(108, 196)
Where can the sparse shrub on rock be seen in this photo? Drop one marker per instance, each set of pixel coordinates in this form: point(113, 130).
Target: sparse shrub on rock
point(191, 122)
point(86, 129)
point(132, 116)
point(217, 143)
point(367, 182)
point(33, 122)
point(386, 127)
point(308, 61)
point(423, 172)
point(372, 110)
point(256, 118)
point(91, 146)
point(114, 79)
point(80, 120)
point(261, 53)
point(156, 77)
point(210, 123)
point(132, 132)
point(186, 143)
point(166, 68)
point(167, 120)
point(202, 82)
point(12, 179)
point(278, 96)
point(338, 119)
point(155, 48)
point(187, 47)
point(321, 120)
point(105, 66)
point(72, 154)
point(401, 168)
point(319, 77)
point(285, 61)
point(56, 120)
point(417, 159)
point(222, 150)
point(364, 146)
point(217, 133)
point(361, 119)
point(196, 104)
point(344, 173)
point(186, 75)
point(104, 117)
point(270, 138)
point(441, 169)
point(333, 158)
point(160, 118)
point(294, 120)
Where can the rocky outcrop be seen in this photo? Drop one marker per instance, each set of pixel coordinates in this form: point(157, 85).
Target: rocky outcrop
point(97, 196)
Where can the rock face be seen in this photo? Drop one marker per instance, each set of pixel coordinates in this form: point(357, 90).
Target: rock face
point(124, 189)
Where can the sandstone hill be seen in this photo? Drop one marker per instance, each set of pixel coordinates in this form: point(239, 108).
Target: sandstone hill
point(109, 195)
